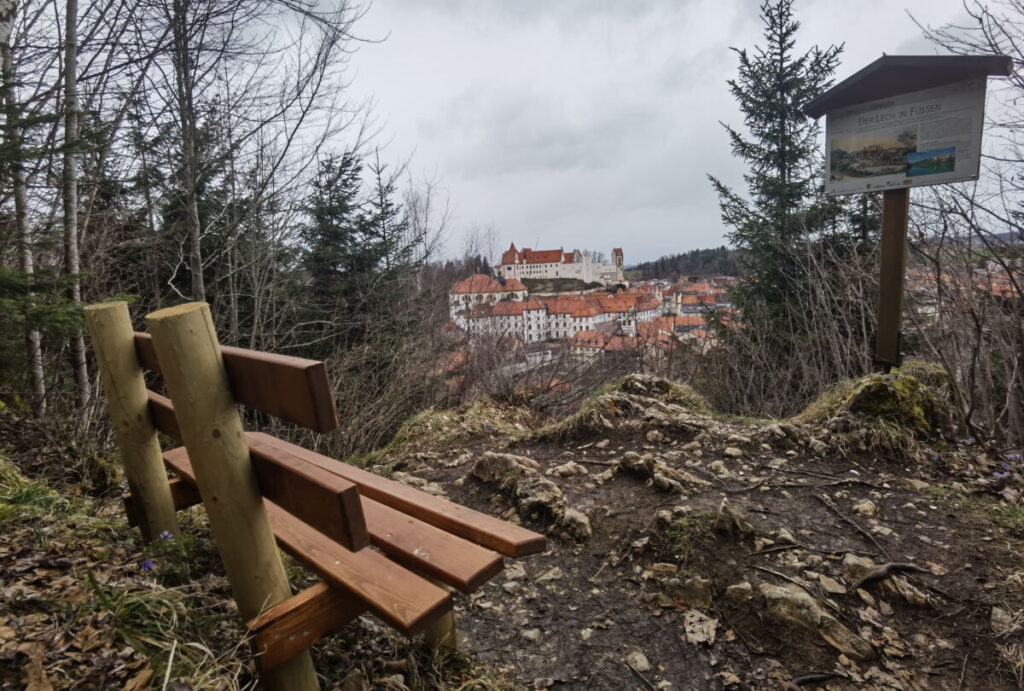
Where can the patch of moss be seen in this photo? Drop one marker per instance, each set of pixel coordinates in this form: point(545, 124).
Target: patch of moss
point(686, 537)
point(666, 390)
point(442, 428)
point(900, 399)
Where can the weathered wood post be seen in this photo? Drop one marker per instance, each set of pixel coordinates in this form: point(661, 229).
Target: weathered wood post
point(110, 327)
point(441, 634)
point(186, 345)
point(895, 212)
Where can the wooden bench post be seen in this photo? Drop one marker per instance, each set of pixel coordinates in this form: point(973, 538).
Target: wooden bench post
point(110, 327)
point(441, 634)
point(193, 368)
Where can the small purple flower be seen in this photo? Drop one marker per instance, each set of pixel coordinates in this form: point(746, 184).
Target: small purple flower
point(1000, 476)
point(148, 565)
point(166, 535)
point(1013, 457)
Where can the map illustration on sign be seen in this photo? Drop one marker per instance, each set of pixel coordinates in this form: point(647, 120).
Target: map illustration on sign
point(920, 138)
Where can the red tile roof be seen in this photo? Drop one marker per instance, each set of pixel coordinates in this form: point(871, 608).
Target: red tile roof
point(478, 283)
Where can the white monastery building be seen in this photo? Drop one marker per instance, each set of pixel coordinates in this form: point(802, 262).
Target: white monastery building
point(484, 305)
point(528, 263)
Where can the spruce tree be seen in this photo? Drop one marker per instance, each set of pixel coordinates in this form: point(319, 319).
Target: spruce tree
point(780, 150)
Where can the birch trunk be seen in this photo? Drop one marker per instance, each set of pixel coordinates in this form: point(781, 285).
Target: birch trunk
point(12, 137)
point(186, 114)
point(72, 264)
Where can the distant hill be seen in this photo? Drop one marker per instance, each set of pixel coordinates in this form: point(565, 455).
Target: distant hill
point(718, 261)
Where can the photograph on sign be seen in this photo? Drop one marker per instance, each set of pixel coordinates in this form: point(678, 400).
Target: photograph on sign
point(921, 138)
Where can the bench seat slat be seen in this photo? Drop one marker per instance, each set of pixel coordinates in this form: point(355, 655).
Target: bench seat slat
point(404, 600)
point(510, 540)
point(429, 550)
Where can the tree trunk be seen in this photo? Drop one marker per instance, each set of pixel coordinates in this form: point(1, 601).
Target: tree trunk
point(70, 175)
point(12, 137)
point(186, 114)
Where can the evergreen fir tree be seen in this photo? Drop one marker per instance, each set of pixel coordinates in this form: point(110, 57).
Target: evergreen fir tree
point(780, 151)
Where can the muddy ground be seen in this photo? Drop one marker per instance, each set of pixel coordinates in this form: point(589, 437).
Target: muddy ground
point(686, 551)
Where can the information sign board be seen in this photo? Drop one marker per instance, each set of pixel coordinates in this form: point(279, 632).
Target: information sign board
point(919, 138)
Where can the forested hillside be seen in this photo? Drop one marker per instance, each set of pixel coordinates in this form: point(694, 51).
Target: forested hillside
point(719, 261)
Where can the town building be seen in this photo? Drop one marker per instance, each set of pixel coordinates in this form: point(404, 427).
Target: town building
point(546, 264)
point(482, 305)
point(480, 289)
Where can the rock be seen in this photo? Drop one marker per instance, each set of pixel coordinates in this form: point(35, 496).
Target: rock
point(739, 592)
point(855, 567)
point(666, 484)
point(515, 572)
point(866, 507)
point(817, 446)
point(731, 521)
point(783, 536)
point(407, 479)
point(511, 587)
point(691, 446)
point(791, 603)
point(694, 591)
point(603, 444)
point(552, 574)
point(569, 469)
point(575, 525)
point(916, 485)
point(586, 633)
point(733, 452)
point(719, 469)
point(699, 628)
point(654, 436)
point(532, 635)
point(831, 585)
point(638, 661)
point(493, 467)
point(535, 493)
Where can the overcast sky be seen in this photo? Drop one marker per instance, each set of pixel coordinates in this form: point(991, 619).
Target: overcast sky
point(588, 123)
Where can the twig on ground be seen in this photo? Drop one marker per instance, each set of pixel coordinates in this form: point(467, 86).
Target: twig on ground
point(641, 677)
point(884, 570)
point(849, 521)
point(814, 678)
point(777, 548)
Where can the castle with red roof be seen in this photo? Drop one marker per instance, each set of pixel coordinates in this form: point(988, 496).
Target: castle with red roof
point(528, 263)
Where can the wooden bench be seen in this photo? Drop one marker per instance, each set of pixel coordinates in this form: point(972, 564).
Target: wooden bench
point(379, 546)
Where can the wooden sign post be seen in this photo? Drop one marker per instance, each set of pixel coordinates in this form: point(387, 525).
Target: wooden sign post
point(903, 121)
point(895, 214)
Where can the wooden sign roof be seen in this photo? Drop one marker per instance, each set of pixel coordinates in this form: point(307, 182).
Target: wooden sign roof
point(890, 75)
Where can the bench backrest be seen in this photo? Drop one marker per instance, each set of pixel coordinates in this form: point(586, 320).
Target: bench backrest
point(293, 389)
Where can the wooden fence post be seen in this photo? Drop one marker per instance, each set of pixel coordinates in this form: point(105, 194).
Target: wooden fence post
point(189, 353)
point(110, 327)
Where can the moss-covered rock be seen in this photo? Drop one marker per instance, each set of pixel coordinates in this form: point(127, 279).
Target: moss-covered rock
point(633, 402)
point(900, 399)
point(885, 414)
point(438, 429)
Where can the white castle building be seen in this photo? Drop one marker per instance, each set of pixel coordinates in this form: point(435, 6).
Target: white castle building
point(528, 263)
